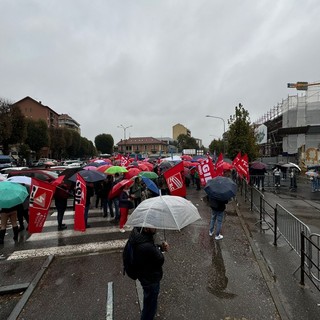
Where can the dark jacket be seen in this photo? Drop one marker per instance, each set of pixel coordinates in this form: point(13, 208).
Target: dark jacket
point(147, 257)
point(124, 201)
point(217, 205)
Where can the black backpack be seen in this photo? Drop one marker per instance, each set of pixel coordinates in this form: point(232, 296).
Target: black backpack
point(129, 267)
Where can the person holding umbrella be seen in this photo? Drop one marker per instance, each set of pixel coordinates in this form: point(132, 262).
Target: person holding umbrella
point(148, 260)
point(7, 213)
point(217, 214)
point(219, 190)
point(125, 204)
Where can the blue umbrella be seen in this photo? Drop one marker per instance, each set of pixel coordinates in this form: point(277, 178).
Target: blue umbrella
point(150, 185)
point(221, 188)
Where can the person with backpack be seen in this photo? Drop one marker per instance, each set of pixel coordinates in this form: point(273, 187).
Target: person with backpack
point(143, 260)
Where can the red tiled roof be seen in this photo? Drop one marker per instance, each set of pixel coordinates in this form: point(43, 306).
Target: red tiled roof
point(141, 140)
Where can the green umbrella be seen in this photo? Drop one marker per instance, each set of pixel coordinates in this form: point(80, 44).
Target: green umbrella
point(116, 169)
point(12, 194)
point(148, 174)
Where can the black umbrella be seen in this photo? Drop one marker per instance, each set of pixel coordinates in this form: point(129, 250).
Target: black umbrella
point(221, 188)
point(89, 176)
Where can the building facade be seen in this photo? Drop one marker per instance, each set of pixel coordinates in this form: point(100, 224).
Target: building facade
point(35, 110)
point(294, 128)
point(143, 145)
point(65, 121)
point(180, 129)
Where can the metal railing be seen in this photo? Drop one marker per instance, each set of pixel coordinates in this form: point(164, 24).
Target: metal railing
point(309, 264)
point(283, 223)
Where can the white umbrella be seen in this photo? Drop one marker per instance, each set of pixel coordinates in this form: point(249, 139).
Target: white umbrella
point(311, 173)
point(164, 212)
point(291, 165)
point(20, 179)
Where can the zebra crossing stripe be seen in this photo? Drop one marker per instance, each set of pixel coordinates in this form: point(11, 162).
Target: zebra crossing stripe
point(68, 250)
point(70, 233)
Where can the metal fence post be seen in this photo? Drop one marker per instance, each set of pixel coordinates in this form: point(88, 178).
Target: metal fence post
point(302, 259)
point(251, 199)
point(275, 226)
point(261, 212)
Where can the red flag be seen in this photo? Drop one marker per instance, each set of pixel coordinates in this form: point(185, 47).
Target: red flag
point(242, 167)
point(206, 171)
point(40, 199)
point(80, 203)
point(236, 159)
point(219, 165)
point(175, 180)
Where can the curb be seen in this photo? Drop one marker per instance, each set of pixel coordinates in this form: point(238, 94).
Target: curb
point(265, 270)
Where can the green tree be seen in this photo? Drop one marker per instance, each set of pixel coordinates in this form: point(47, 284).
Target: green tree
point(216, 145)
point(241, 136)
point(104, 143)
point(37, 135)
point(12, 125)
point(57, 143)
point(186, 142)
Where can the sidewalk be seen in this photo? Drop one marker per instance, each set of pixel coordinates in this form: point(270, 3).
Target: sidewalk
point(281, 262)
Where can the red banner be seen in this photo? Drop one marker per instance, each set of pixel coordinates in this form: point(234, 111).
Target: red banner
point(236, 159)
point(219, 165)
point(206, 171)
point(41, 194)
point(242, 167)
point(175, 180)
point(80, 194)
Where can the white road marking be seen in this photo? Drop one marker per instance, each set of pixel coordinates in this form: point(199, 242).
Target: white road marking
point(67, 250)
point(109, 307)
point(51, 223)
point(70, 233)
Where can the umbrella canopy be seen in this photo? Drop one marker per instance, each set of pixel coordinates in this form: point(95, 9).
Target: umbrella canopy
point(89, 176)
point(312, 173)
point(186, 157)
point(148, 174)
point(93, 164)
point(90, 168)
point(117, 188)
point(227, 166)
point(164, 212)
point(12, 194)
point(104, 167)
point(221, 188)
point(291, 165)
point(116, 169)
point(20, 179)
point(258, 165)
point(132, 172)
point(150, 185)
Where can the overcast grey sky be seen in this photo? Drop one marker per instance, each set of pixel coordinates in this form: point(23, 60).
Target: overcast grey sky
point(154, 63)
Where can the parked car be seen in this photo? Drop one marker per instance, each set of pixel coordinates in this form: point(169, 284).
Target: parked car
point(44, 175)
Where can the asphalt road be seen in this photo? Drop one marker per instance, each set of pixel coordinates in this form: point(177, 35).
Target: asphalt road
point(203, 278)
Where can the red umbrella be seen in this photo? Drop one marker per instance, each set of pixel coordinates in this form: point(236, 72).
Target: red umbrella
point(131, 173)
point(186, 157)
point(104, 167)
point(117, 188)
point(227, 166)
point(143, 167)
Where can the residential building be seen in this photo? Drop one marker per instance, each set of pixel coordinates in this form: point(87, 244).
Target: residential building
point(35, 110)
point(178, 129)
point(143, 145)
point(65, 121)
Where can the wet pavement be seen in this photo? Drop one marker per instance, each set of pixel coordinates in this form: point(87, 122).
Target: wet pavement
point(242, 276)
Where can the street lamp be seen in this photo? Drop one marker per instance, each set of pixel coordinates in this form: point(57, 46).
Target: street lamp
point(224, 130)
point(124, 130)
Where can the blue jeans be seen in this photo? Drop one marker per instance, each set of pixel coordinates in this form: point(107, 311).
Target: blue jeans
point(150, 301)
point(216, 215)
